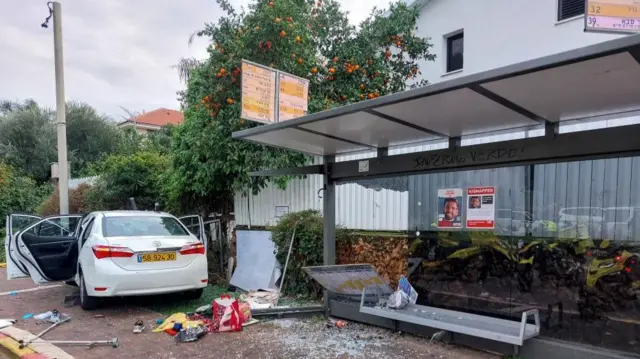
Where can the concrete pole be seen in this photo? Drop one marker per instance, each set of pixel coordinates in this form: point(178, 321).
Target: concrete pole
point(61, 121)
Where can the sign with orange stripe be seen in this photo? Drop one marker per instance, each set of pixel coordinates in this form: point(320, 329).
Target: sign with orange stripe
point(617, 16)
point(270, 95)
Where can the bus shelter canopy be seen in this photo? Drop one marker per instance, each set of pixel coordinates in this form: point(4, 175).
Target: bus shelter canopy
point(596, 80)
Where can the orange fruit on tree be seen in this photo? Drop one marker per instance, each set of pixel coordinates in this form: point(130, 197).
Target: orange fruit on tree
point(283, 33)
point(271, 4)
point(361, 96)
point(298, 39)
point(335, 59)
point(230, 101)
point(357, 67)
point(332, 70)
point(314, 70)
point(289, 19)
point(300, 60)
point(277, 20)
point(371, 95)
point(349, 70)
point(362, 86)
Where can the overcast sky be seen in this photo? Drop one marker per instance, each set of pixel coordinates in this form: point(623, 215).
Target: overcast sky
point(116, 52)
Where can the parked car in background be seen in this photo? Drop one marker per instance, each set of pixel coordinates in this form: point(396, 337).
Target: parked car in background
point(116, 253)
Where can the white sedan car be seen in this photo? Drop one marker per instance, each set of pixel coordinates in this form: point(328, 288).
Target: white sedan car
point(118, 253)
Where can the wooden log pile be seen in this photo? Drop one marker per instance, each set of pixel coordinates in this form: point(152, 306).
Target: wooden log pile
point(388, 255)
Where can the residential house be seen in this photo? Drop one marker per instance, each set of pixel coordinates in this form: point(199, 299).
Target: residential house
point(153, 120)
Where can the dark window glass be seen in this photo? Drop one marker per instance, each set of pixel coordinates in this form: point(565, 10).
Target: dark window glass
point(455, 52)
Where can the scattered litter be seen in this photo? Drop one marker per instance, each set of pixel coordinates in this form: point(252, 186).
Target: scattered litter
point(336, 323)
point(98, 316)
point(13, 293)
point(398, 300)
point(27, 316)
point(260, 299)
point(43, 316)
point(138, 326)
point(159, 320)
point(191, 334)
point(250, 322)
point(438, 336)
point(6, 323)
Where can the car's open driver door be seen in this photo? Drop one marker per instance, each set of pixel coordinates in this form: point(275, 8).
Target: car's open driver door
point(47, 250)
point(195, 225)
point(14, 224)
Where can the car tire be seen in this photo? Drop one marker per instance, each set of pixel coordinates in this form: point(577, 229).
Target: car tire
point(194, 294)
point(86, 302)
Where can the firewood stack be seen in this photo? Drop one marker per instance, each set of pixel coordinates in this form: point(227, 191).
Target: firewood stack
point(388, 255)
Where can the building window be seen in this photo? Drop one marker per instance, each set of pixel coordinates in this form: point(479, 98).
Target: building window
point(570, 8)
point(455, 52)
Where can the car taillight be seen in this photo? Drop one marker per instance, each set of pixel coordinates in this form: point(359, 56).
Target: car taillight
point(196, 248)
point(111, 252)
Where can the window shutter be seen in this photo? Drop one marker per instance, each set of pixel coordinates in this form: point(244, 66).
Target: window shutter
point(570, 8)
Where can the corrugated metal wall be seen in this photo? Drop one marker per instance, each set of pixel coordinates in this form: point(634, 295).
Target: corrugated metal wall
point(605, 183)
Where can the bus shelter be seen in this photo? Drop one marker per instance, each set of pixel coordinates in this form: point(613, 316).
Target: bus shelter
point(550, 94)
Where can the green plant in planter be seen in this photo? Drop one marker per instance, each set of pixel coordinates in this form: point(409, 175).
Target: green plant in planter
point(307, 249)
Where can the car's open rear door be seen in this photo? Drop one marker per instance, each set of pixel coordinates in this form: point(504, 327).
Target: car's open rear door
point(14, 224)
point(195, 225)
point(47, 249)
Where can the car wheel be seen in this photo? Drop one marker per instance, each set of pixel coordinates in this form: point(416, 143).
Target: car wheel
point(193, 294)
point(86, 302)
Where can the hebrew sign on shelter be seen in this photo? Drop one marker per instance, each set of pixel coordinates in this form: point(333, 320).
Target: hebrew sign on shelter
point(613, 16)
point(258, 93)
point(293, 96)
point(270, 95)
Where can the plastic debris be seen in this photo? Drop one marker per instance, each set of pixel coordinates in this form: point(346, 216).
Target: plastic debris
point(43, 316)
point(14, 293)
point(398, 300)
point(27, 316)
point(138, 326)
point(337, 323)
point(191, 334)
point(159, 320)
point(98, 316)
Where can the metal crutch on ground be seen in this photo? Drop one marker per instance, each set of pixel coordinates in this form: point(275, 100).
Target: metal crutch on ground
point(89, 343)
point(24, 343)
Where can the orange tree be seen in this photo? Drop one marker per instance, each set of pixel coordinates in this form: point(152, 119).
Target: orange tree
point(310, 39)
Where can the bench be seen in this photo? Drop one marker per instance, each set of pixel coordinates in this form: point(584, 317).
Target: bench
point(500, 330)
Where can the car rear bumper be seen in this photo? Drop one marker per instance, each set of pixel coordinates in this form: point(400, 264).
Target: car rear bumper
point(109, 280)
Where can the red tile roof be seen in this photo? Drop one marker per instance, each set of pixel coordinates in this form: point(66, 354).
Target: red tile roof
point(160, 117)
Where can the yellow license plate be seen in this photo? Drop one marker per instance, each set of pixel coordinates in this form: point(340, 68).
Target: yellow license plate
point(157, 257)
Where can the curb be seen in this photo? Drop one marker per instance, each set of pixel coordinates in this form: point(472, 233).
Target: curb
point(38, 349)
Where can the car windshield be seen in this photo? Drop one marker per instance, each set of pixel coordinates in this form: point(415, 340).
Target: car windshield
point(137, 226)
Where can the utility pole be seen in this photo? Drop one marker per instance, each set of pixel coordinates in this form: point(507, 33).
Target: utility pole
point(61, 121)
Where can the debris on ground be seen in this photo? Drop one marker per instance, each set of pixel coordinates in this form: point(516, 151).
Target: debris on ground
point(27, 316)
point(259, 299)
point(6, 323)
point(353, 340)
point(336, 323)
point(138, 326)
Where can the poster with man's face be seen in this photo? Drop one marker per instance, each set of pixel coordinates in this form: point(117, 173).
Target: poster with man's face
point(450, 208)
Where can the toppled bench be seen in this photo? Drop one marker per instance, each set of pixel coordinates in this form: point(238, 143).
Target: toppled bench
point(500, 330)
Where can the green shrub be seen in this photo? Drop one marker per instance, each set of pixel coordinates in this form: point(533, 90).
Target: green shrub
point(307, 249)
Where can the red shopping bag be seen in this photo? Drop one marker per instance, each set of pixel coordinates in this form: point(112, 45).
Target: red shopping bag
point(226, 315)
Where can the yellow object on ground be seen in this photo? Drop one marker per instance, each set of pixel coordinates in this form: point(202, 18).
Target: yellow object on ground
point(3, 265)
point(13, 346)
point(179, 318)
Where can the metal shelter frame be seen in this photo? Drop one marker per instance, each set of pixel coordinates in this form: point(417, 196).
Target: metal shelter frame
point(598, 80)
